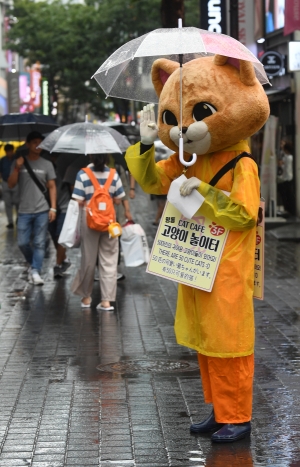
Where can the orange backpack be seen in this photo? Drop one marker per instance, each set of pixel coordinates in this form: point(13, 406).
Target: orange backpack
point(100, 211)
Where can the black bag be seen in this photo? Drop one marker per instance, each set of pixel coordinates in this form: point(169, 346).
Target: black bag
point(41, 187)
point(230, 165)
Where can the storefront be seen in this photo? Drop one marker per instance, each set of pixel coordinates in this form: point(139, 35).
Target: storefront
point(273, 51)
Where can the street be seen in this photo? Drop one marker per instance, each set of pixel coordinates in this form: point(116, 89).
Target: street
point(80, 387)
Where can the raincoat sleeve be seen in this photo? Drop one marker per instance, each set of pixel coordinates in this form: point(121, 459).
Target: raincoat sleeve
point(154, 178)
point(239, 210)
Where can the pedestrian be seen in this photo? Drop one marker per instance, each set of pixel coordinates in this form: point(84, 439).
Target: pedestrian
point(10, 195)
point(95, 243)
point(285, 179)
point(55, 227)
point(32, 174)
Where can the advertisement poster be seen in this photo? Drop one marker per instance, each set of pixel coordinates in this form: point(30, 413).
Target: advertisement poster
point(187, 251)
point(259, 255)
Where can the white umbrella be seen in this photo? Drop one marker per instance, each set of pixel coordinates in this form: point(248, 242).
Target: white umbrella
point(85, 138)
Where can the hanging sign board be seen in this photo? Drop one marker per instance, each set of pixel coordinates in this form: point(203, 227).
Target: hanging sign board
point(273, 63)
point(259, 254)
point(187, 251)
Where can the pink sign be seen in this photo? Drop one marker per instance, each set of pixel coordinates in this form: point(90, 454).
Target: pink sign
point(292, 16)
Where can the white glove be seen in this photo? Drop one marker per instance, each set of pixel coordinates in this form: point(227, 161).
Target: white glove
point(148, 127)
point(189, 185)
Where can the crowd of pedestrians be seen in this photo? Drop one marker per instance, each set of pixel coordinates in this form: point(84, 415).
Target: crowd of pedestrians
point(40, 186)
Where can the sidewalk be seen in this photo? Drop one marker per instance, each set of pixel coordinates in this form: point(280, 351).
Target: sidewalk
point(88, 388)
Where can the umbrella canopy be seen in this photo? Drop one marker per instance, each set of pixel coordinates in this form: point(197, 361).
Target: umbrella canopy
point(16, 126)
point(127, 72)
point(85, 138)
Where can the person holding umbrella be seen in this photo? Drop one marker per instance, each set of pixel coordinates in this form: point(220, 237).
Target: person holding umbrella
point(95, 243)
point(96, 142)
point(34, 174)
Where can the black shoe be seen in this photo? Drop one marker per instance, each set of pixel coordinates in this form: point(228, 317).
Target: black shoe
point(58, 271)
point(232, 432)
point(10, 226)
point(209, 424)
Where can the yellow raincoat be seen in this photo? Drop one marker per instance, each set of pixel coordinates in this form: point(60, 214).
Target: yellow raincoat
point(218, 323)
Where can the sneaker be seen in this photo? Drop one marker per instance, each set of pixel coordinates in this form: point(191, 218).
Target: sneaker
point(10, 225)
point(35, 278)
point(58, 271)
point(66, 265)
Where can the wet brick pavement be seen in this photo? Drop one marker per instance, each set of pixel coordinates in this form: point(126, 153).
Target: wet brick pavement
point(84, 388)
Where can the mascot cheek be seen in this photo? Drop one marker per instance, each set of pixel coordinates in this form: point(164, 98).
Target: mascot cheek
point(174, 135)
point(196, 140)
point(198, 147)
point(197, 131)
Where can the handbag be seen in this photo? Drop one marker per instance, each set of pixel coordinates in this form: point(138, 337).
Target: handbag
point(70, 233)
point(41, 187)
point(134, 245)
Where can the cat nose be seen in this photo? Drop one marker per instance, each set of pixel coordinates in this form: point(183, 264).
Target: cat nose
point(184, 129)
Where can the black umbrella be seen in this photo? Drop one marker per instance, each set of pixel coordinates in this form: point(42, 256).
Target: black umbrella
point(16, 126)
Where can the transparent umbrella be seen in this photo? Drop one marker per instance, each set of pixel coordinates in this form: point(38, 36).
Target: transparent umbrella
point(85, 138)
point(127, 72)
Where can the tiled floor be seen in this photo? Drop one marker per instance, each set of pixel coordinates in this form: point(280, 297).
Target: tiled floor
point(60, 408)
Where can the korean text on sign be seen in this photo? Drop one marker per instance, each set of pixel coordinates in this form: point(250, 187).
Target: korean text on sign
point(187, 250)
point(259, 256)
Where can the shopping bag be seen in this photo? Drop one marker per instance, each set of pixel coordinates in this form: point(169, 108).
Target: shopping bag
point(70, 233)
point(134, 245)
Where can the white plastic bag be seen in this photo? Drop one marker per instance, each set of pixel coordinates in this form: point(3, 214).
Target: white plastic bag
point(134, 245)
point(70, 233)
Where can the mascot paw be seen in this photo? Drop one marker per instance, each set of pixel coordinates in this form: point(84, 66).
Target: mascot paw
point(148, 127)
point(189, 185)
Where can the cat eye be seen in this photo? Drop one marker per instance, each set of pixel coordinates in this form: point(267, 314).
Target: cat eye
point(169, 118)
point(203, 110)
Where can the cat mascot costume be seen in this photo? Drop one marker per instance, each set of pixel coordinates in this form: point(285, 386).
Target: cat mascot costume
point(223, 104)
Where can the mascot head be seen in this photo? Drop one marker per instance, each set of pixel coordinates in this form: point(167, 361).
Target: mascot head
point(222, 104)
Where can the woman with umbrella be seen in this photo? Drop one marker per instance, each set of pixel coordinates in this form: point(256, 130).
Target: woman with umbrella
point(95, 243)
point(97, 143)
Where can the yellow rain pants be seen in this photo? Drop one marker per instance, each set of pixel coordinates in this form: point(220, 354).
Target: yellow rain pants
point(218, 323)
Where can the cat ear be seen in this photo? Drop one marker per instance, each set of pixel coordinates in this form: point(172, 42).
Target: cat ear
point(247, 73)
point(161, 70)
point(246, 69)
point(220, 60)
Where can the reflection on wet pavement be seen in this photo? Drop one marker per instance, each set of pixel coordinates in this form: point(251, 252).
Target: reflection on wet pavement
point(83, 388)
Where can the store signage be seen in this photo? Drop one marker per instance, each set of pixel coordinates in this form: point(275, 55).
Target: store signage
point(273, 63)
point(294, 56)
point(213, 15)
point(45, 95)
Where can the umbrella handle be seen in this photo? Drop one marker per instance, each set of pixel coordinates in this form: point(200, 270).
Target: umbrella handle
point(181, 159)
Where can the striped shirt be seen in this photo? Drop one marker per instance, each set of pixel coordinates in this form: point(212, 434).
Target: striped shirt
point(84, 189)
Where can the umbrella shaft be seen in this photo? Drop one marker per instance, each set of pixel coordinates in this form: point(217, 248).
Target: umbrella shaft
point(180, 99)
